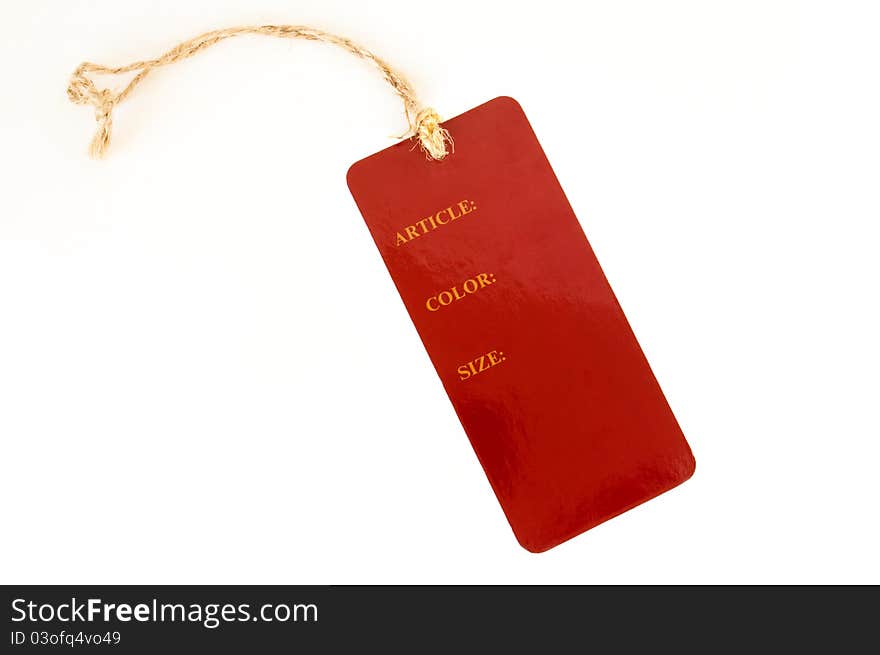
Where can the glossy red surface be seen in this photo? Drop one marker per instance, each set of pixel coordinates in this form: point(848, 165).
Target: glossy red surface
point(540, 364)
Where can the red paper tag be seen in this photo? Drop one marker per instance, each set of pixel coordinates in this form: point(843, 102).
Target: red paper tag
point(532, 347)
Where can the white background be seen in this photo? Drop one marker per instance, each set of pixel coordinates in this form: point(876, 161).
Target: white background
point(207, 376)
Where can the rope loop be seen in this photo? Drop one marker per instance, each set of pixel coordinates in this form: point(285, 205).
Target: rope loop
point(424, 123)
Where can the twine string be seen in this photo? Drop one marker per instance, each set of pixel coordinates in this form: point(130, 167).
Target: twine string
point(424, 123)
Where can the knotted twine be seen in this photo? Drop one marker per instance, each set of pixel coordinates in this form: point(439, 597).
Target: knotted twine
point(424, 123)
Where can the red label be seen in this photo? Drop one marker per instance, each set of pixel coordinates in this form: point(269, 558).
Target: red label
point(543, 370)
